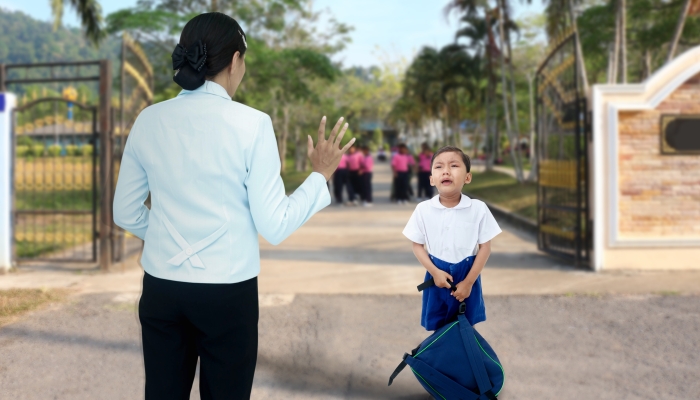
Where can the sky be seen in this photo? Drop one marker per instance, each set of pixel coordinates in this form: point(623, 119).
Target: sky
point(385, 30)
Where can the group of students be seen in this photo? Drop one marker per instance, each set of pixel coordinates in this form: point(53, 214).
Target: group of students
point(354, 174)
point(403, 164)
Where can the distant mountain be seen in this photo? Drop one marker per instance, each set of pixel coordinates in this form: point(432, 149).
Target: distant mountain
point(24, 39)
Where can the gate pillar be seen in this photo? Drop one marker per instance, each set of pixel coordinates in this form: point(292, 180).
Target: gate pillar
point(105, 113)
point(7, 104)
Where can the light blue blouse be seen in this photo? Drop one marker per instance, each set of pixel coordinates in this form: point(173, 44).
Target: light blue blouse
point(213, 171)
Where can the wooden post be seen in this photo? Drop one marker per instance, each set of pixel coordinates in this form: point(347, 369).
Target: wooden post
point(105, 165)
point(3, 77)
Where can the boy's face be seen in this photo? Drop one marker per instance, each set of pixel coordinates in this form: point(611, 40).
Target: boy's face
point(449, 174)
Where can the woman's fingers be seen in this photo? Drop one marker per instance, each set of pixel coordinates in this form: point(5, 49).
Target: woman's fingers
point(347, 146)
point(310, 146)
point(322, 130)
point(339, 137)
point(334, 132)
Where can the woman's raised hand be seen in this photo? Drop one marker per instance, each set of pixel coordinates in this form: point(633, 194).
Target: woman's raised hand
point(325, 157)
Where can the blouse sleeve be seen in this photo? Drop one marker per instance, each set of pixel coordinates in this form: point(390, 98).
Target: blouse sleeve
point(276, 215)
point(129, 210)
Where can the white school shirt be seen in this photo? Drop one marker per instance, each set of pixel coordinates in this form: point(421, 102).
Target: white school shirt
point(213, 171)
point(451, 234)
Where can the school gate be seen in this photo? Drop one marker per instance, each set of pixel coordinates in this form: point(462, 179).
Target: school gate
point(561, 147)
point(68, 140)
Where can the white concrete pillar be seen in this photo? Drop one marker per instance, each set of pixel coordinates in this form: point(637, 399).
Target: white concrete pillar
point(7, 104)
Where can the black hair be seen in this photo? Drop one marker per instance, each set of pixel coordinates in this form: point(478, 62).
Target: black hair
point(219, 36)
point(452, 149)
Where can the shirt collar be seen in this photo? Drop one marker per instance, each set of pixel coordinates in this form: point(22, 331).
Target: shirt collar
point(463, 203)
point(209, 87)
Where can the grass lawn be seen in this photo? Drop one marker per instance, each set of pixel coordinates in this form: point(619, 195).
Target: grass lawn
point(15, 302)
point(508, 161)
point(54, 200)
point(503, 190)
point(52, 224)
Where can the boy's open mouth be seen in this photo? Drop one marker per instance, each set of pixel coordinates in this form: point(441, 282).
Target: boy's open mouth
point(446, 181)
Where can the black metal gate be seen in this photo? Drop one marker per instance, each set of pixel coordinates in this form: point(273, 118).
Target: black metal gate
point(60, 192)
point(562, 126)
point(55, 203)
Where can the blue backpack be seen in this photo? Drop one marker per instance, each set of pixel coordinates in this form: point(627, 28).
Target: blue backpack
point(456, 362)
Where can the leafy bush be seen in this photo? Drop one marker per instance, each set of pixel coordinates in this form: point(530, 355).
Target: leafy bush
point(86, 150)
point(22, 151)
point(72, 150)
point(37, 150)
point(54, 150)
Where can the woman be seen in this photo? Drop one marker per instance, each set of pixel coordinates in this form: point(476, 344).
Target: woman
point(212, 168)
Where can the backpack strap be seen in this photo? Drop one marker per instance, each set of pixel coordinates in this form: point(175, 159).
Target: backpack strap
point(431, 282)
point(402, 365)
point(477, 363)
point(441, 384)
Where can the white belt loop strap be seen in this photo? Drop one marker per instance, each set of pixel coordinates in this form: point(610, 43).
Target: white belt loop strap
point(190, 252)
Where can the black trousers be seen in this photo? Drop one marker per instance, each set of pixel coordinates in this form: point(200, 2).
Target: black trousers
point(402, 182)
point(218, 323)
point(366, 186)
point(424, 187)
point(340, 177)
point(356, 184)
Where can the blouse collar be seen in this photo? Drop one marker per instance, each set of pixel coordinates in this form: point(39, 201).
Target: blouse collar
point(209, 87)
point(463, 203)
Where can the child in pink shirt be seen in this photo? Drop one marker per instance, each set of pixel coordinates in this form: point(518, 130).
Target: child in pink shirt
point(424, 160)
point(340, 179)
point(401, 164)
point(366, 168)
point(354, 159)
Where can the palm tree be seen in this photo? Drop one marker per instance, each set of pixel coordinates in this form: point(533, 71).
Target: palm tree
point(690, 7)
point(90, 14)
point(478, 31)
point(495, 18)
point(513, 131)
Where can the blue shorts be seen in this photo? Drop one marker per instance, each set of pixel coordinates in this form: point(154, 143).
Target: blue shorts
point(439, 307)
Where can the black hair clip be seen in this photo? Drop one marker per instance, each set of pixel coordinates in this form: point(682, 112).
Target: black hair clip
point(195, 55)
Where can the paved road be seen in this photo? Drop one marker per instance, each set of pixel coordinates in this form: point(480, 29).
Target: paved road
point(339, 308)
point(346, 346)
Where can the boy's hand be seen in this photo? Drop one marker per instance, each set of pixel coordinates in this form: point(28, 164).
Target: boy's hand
point(441, 277)
point(464, 289)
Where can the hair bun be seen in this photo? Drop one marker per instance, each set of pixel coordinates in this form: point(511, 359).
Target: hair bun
point(189, 65)
point(188, 78)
